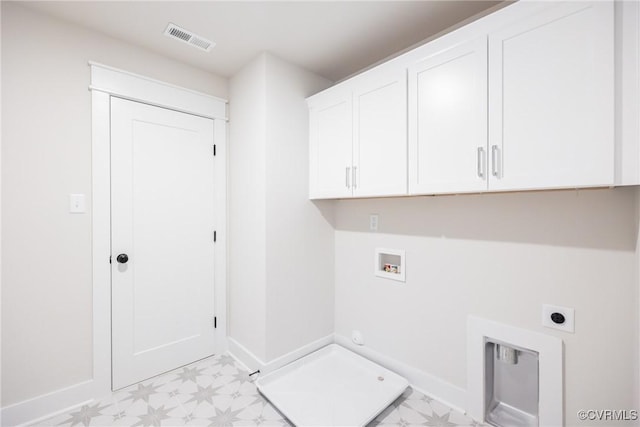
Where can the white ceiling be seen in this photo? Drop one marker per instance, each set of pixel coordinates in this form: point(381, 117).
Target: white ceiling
point(331, 38)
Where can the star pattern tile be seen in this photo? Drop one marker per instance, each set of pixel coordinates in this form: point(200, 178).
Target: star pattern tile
point(85, 414)
point(204, 394)
point(436, 420)
point(224, 418)
point(190, 374)
point(219, 392)
point(143, 392)
point(153, 417)
point(226, 360)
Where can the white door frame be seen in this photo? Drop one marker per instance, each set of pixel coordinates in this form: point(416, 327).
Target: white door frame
point(105, 83)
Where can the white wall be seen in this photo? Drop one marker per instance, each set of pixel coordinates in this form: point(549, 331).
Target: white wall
point(0, 210)
point(281, 250)
point(247, 205)
point(300, 242)
point(498, 256)
point(46, 154)
point(636, 355)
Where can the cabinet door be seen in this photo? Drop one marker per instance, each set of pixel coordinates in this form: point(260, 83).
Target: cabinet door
point(380, 133)
point(628, 90)
point(551, 102)
point(448, 121)
point(330, 145)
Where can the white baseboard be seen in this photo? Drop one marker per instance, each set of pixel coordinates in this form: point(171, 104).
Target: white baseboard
point(60, 401)
point(244, 356)
point(48, 405)
point(453, 396)
point(253, 362)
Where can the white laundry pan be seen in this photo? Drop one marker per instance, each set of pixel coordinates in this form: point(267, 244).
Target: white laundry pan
point(331, 387)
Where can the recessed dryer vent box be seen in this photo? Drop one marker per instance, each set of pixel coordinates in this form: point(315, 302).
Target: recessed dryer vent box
point(389, 263)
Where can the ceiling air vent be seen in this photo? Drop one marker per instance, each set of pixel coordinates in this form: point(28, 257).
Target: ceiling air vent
point(188, 37)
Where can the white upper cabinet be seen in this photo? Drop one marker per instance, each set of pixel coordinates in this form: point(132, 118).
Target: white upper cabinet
point(521, 99)
point(330, 145)
point(358, 137)
point(551, 98)
point(380, 133)
point(448, 120)
point(628, 92)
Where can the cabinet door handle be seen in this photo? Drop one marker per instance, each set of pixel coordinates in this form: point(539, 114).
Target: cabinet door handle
point(347, 175)
point(355, 177)
point(495, 170)
point(480, 166)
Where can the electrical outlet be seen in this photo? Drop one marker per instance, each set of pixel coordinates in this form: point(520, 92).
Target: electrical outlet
point(373, 222)
point(556, 317)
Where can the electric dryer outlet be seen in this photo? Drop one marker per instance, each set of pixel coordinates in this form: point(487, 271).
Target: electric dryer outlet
point(556, 317)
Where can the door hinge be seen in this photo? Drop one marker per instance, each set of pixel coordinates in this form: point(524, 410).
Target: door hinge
point(109, 259)
point(215, 322)
point(215, 236)
point(214, 149)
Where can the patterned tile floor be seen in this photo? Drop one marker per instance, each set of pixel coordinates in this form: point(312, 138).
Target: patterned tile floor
point(218, 392)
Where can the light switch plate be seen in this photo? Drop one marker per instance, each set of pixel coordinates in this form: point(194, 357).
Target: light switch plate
point(76, 203)
point(569, 317)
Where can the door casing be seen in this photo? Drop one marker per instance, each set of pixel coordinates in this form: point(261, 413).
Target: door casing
point(105, 83)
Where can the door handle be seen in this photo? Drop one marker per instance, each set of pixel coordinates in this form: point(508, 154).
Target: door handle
point(480, 167)
point(355, 177)
point(495, 170)
point(347, 175)
point(122, 258)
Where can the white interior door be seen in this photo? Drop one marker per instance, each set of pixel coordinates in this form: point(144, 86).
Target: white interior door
point(162, 213)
